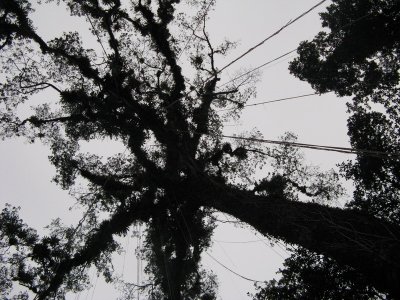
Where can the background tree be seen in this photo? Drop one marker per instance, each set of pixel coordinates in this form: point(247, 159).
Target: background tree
point(176, 167)
point(371, 76)
point(358, 56)
point(307, 275)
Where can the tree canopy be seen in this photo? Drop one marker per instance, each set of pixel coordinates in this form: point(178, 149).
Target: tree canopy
point(177, 168)
point(371, 77)
point(352, 61)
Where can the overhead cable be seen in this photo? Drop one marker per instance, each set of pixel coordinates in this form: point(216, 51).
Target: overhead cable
point(271, 36)
point(287, 53)
point(303, 145)
point(230, 270)
point(240, 242)
point(273, 101)
point(257, 68)
point(316, 147)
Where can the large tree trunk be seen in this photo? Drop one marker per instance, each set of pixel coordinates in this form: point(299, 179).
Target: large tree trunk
point(369, 245)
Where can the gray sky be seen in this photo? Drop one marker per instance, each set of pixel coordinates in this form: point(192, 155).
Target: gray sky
point(26, 173)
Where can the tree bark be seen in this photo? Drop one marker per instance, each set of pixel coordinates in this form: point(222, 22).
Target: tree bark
point(369, 245)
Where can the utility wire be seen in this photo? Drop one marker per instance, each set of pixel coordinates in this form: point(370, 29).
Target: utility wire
point(230, 270)
point(283, 247)
point(273, 101)
point(316, 147)
point(307, 146)
point(280, 100)
point(126, 250)
point(239, 242)
point(272, 248)
point(271, 36)
point(138, 259)
point(226, 254)
point(90, 280)
point(259, 67)
point(291, 51)
point(95, 285)
point(165, 262)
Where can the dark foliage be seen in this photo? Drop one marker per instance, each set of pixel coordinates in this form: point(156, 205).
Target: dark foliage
point(176, 169)
point(307, 275)
point(358, 57)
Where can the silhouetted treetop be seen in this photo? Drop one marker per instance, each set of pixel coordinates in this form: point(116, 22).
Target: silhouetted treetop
point(356, 56)
point(152, 86)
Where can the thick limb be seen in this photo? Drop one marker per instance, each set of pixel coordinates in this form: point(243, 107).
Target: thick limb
point(367, 244)
point(101, 240)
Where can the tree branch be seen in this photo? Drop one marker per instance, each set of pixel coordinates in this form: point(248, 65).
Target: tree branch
point(101, 240)
point(321, 229)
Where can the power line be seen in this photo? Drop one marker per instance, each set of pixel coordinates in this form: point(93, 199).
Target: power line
point(259, 67)
point(240, 242)
point(273, 101)
point(316, 147)
point(126, 250)
point(230, 270)
point(95, 285)
point(165, 262)
point(233, 264)
point(283, 247)
point(138, 260)
point(272, 248)
point(271, 36)
point(291, 51)
point(90, 280)
point(279, 57)
point(226, 254)
point(345, 150)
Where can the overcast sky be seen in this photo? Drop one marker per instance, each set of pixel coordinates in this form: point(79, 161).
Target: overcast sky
point(25, 174)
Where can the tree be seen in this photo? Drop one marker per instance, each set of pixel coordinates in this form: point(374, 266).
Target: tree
point(371, 76)
point(307, 275)
point(143, 99)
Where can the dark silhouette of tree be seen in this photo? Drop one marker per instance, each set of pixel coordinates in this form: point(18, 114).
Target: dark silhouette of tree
point(176, 169)
point(307, 275)
point(358, 56)
point(364, 64)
